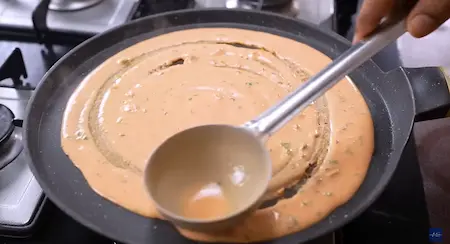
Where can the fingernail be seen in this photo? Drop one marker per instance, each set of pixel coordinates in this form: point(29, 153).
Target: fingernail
point(421, 25)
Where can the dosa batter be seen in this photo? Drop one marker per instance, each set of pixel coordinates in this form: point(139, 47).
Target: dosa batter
point(133, 101)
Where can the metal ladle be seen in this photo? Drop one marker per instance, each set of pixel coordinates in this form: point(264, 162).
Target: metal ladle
point(214, 153)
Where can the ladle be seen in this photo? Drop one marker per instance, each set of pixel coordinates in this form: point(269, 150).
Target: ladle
point(229, 165)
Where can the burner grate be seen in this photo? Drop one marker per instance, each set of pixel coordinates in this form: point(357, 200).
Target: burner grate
point(13, 68)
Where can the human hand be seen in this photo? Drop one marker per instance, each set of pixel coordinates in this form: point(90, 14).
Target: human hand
point(426, 16)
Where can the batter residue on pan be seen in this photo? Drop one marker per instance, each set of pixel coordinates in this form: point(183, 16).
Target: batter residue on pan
point(147, 92)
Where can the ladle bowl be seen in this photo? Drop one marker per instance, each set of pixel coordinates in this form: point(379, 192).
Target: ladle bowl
point(208, 177)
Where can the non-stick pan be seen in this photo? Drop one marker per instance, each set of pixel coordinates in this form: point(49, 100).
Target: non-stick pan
point(393, 98)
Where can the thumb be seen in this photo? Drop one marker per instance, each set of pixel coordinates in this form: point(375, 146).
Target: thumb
point(427, 16)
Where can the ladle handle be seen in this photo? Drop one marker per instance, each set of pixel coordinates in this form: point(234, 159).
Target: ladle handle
point(275, 117)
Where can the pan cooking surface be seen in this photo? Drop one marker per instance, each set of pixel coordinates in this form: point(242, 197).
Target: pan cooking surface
point(66, 186)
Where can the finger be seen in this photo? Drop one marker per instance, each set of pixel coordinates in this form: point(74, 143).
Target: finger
point(370, 15)
point(427, 16)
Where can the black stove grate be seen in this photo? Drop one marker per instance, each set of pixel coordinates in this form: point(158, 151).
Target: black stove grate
point(13, 67)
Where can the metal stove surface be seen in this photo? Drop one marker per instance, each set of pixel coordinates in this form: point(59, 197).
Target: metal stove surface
point(320, 12)
point(20, 194)
point(90, 20)
point(73, 5)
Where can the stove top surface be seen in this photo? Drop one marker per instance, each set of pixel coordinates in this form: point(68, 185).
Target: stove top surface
point(400, 214)
point(90, 20)
point(20, 194)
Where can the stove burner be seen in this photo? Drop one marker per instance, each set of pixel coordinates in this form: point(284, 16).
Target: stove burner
point(10, 137)
point(6, 123)
point(71, 5)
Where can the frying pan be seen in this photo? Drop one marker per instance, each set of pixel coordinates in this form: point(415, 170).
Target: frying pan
point(394, 100)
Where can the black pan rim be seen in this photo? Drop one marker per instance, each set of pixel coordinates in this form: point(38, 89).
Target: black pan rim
point(384, 180)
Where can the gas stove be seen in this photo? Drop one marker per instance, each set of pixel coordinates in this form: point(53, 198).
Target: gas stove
point(34, 34)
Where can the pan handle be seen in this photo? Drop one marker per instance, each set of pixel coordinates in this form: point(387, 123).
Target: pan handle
point(431, 92)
